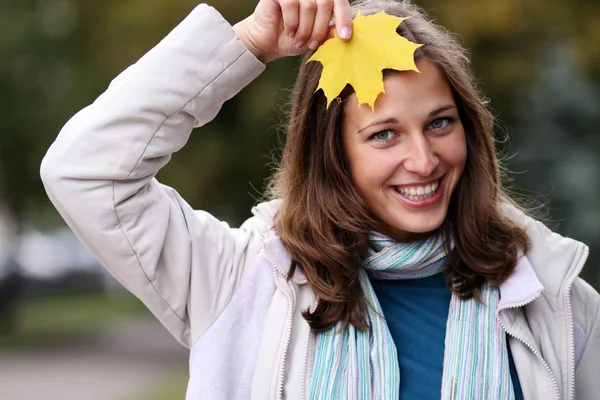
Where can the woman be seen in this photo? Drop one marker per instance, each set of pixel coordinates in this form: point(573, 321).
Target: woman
point(337, 288)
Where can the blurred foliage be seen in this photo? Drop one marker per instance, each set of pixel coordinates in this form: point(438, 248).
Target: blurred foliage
point(539, 63)
point(51, 321)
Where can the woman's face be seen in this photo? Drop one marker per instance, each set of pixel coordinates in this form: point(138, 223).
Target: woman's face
point(407, 155)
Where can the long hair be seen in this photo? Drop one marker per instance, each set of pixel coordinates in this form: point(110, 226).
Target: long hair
point(323, 221)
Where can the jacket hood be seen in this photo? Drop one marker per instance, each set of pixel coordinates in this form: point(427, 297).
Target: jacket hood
point(266, 211)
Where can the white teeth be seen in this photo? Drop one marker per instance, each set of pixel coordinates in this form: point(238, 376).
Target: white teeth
point(419, 192)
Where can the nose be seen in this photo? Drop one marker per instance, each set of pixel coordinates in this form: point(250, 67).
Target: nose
point(421, 159)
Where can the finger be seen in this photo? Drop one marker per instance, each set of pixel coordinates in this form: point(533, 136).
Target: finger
point(321, 28)
point(289, 13)
point(308, 10)
point(343, 19)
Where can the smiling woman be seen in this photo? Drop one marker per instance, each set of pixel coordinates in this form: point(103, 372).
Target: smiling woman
point(389, 263)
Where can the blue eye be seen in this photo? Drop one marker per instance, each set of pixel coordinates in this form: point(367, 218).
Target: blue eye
point(383, 136)
point(440, 123)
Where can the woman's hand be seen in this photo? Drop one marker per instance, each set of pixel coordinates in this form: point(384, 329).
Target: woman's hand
point(280, 28)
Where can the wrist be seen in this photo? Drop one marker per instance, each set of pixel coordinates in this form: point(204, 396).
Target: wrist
point(242, 32)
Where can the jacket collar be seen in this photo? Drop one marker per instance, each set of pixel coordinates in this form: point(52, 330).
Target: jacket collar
point(555, 260)
point(551, 260)
point(522, 287)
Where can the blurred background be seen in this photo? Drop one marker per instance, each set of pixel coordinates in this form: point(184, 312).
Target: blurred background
point(67, 331)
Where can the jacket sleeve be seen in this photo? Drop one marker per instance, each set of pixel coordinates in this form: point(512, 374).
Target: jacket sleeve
point(586, 309)
point(99, 174)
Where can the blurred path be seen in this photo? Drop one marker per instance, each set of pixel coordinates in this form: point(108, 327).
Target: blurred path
point(116, 364)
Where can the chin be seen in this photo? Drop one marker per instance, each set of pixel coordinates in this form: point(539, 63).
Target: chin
point(410, 228)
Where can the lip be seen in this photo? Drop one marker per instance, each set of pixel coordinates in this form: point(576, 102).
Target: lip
point(420, 183)
point(439, 193)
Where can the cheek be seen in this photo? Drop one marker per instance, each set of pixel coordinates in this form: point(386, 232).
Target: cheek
point(369, 171)
point(455, 150)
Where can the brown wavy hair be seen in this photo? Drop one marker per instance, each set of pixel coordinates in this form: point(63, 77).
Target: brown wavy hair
point(323, 222)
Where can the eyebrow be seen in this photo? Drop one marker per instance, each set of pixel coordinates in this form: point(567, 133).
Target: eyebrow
point(392, 120)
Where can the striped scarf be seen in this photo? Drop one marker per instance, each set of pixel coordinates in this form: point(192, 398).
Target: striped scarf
point(363, 365)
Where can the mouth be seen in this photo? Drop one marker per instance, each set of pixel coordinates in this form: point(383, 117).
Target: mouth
point(421, 195)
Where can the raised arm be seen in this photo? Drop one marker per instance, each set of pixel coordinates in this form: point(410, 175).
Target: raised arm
point(99, 173)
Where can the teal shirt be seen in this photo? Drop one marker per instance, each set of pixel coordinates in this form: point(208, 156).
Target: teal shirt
point(416, 311)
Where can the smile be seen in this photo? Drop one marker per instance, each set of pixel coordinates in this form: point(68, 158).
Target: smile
point(416, 193)
point(420, 195)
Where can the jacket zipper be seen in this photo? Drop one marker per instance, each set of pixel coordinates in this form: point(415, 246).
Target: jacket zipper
point(305, 367)
point(288, 330)
point(570, 322)
point(288, 333)
point(303, 392)
point(529, 345)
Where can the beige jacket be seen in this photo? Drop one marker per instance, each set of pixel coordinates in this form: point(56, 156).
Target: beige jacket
point(221, 291)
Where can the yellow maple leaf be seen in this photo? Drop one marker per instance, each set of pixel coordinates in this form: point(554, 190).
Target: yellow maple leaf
point(360, 62)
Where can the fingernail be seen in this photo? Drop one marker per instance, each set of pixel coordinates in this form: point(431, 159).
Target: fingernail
point(313, 45)
point(299, 44)
point(345, 33)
